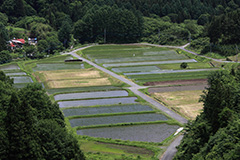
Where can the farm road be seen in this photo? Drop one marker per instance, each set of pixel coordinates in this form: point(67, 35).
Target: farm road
point(171, 151)
point(134, 88)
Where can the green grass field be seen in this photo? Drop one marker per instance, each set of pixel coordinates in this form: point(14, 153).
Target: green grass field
point(125, 53)
point(170, 76)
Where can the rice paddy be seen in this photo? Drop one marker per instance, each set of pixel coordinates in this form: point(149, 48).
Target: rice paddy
point(95, 102)
point(106, 110)
point(148, 63)
point(136, 69)
point(57, 66)
point(87, 95)
point(24, 79)
point(106, 120)
point(144, 133)
point(9, 67)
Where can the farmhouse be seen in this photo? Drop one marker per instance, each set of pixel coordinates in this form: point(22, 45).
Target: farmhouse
point(16, 43)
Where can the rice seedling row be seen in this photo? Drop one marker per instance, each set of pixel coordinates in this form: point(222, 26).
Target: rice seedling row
point(81, 89)
point(24, 79)
point(10, 67)
point(170, 76)
point(145, 133)
point(150, 117)
point(148, 63)
point(168, 71)
point(106, 109)
point(95, 102)
point(136, 69)
point(16, 74)
point(86, 95)
point(57, 66)
point(141, 59)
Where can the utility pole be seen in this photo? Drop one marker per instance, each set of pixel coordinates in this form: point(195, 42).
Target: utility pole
point(105, 35)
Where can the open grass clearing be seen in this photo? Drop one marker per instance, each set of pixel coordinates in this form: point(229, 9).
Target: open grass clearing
point(185, 102)
point(95, 102)
point(177, 88)
point(81, 89)
point(115, 149)
point(23, 79)
point(58, 66)
point(144, 133)
point(93, 121)
point(9, 67)
point(87, 95)
point(106, 109)
point(149, 63)
point(136, 69)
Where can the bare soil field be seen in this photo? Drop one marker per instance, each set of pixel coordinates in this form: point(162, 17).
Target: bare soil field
point(177, 88)
point(185, 102)
point(79, 83)
point(71, 74)
point(178, 82)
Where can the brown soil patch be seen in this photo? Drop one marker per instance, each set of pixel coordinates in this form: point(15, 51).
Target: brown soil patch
point(79, 83)
point(177, 82)
point(185, 102)
point(70, 74)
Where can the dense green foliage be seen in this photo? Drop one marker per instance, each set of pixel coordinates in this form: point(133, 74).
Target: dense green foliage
point(215, 133)
point(32, 127)
point(55, 23)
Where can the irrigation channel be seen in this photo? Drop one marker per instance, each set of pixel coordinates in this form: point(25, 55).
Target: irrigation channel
point(168, 155)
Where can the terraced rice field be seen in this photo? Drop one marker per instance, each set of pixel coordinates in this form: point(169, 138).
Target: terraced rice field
point(120, 54)
point(141, 59)
point(148, 63)
point(23, 79)
point(145, 133)
point(57, 66)
point(95, 102)
point(106, 109)
point(170, 76)
point(10, 67)
point(106, 120)
point(82, 89)
point(136, 69)
point(168, 71)
point(16, 74)
point(87, 95)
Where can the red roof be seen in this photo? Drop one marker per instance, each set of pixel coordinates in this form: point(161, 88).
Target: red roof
point(19, 41)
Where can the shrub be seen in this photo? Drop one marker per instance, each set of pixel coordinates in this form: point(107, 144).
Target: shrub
point(184, 65)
